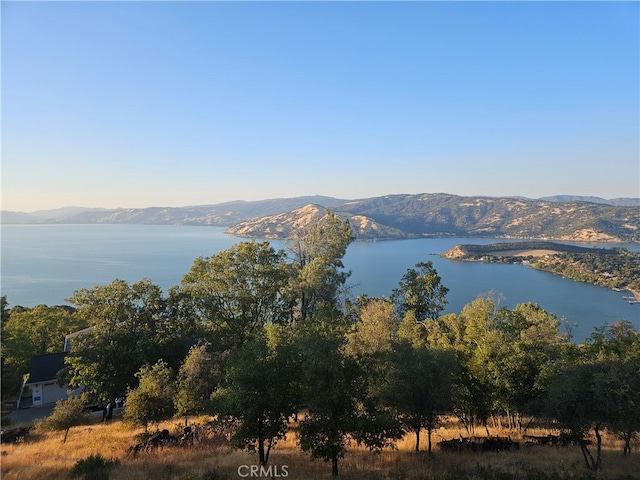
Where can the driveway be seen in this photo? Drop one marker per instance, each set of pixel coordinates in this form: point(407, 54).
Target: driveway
point(28, 415)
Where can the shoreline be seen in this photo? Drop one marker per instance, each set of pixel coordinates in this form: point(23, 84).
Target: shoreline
point(534, 254)
point(635, 293)
point(527, 263)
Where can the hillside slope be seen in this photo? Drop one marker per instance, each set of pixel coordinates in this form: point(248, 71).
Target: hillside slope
point(285, 224)
point(443, 214)
point(395, 217)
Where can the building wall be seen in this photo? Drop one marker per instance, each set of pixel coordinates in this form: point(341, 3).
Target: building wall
point(49, 392)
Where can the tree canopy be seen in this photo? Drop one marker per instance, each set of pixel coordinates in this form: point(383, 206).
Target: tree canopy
point(152, 400)
point(130, 329)
point(33, 331)
point(236, 292)
point(421, 292)
point(258, 393)
point(316, 261)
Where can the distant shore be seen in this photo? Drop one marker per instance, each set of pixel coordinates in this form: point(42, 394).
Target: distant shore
point(523, 249)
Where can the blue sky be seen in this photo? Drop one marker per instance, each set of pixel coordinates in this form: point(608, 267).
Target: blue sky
point(117, 104)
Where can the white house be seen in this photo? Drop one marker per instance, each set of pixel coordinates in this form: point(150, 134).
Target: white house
point(42, 387)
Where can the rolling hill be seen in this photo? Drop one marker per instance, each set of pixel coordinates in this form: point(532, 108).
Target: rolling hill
point(389, 217)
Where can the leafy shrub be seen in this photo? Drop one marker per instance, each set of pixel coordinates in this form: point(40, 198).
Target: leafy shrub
point(66, 414)
point(94, 467)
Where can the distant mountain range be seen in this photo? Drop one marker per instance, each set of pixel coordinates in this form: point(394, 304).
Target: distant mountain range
point(619, 202)
point(589, 219)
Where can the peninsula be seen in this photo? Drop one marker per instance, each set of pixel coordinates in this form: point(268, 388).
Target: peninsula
point(616, 268)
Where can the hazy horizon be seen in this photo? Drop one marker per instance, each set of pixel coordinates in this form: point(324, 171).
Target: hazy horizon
point(239, 200)
point(140, 104)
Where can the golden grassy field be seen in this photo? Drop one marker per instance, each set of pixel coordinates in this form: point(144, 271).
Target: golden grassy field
point(44, 456)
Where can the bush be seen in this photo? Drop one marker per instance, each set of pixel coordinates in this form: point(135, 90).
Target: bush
point(152, 401)
point(66, 414)
point(94, 467)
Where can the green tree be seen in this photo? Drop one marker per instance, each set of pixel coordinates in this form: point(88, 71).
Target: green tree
point(66, 414)
point(508, 358)
point(337, 392)
point(618, 387)
point(613, 341)
point(33, 331)
point(473, 337)
point(258, 393)
point(420, 292)
point(4, 311)
point(197, 378)
point(575, 401)
point(236, 292)
point(415, 332)
point(317, 275)
point(152, 400)
point(527, 351)
point(618, 344)
point(131, 328)
point(420, 386)
point(182, 310)
point(375, 328)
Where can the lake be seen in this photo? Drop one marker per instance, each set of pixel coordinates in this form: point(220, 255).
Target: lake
point(44, 264)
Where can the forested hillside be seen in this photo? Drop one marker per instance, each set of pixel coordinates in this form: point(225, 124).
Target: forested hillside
point(621, 269)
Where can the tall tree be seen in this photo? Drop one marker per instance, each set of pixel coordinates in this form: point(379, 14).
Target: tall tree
point(420, 387)
point(525, 351)
point(197, 378)
point(473, 336)
point(575, 402)
point(33, 331)
point(258, 393)
point(618, 387)
point(618, 344)
point(236, 292)
point(130, 329)
point(152, 400)
point(337, 392)
point(420, 292)
point(317, 264)
point(370, 342)
point(509, 358)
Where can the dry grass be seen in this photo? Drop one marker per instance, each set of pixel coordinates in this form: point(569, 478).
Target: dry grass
point(44, 456)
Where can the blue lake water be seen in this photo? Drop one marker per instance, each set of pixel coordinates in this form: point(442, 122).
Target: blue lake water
point(44, 264)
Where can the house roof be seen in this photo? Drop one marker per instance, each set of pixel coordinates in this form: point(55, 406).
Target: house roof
point(69, 338)
point(44, 368)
